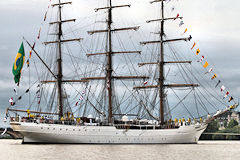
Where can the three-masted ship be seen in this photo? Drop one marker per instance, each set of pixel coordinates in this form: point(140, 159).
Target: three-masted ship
point(108, 121)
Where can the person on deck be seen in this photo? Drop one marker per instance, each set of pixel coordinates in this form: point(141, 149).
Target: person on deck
point(180, 122)
point(176, 122)
point(183, 121)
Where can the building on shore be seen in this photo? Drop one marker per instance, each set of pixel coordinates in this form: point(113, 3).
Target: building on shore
point(227, 117)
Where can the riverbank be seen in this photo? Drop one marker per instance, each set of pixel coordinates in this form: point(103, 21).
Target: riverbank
point(9, 134)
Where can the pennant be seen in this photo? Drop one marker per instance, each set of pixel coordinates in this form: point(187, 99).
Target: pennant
point(30, 54)
point(18, 64)
point(230, 99)
point(146, 82)
point(15, 91)
point(28, 63)
point(210, 70)
point(39, 32)
point(198, 51)
point(181, 23)
point(201, 59)
point(176, 16)
point(81, 98)
point(214, 76)
point(11, 101)
point(218, 83)
point(194, 44)
point(190, 37)
point(45, 16)
point(185, 30)
point(38, 91)
point(83, 92)
point(226, 95)
point(76, 103)
point(205, 65)
point(33, 45)
point(223, 88)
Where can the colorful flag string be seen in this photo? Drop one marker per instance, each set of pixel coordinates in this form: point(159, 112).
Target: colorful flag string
point(206, 64)
point(39, 34)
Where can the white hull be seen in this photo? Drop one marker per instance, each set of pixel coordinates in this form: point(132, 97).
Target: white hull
point(55, 133)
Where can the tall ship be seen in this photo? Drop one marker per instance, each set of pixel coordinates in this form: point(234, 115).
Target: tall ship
point(104, 93)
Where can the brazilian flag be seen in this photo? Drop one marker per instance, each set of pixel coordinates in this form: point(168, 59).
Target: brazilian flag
point(18, 64)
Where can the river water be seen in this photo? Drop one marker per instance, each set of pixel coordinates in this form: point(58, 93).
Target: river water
point(204, 150)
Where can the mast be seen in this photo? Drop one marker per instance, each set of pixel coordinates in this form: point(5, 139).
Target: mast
point(161, 69)
point(109, 62)
point(59, 62)
point(109, 77)
point(59, 41)
point(160, 62)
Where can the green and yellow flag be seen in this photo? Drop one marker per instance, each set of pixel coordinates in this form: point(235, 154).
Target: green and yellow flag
point(18, 64)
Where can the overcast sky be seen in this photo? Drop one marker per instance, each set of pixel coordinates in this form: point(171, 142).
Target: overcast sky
point(214, 25)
